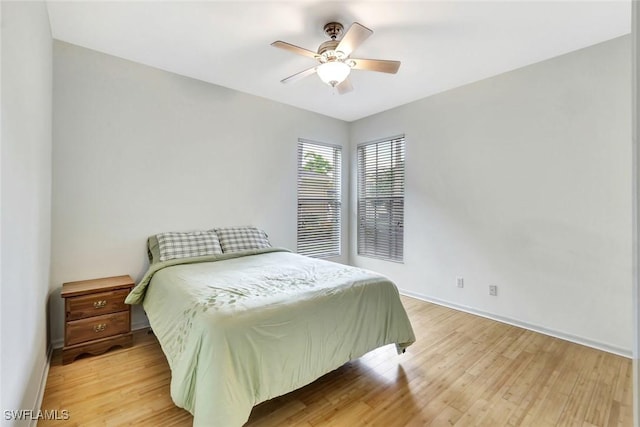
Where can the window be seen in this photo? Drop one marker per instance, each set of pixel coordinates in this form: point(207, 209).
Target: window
point(381, 199)
point(319, 206)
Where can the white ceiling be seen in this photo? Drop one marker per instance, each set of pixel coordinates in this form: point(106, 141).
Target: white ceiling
point(442, 44)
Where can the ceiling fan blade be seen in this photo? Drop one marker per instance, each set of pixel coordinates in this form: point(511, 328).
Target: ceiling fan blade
point(354, 37)
point(295, 49)
point(345, 86)
point(300, 75)
point(380, 65)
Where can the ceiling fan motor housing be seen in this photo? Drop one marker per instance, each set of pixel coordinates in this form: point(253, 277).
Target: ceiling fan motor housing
point(328, 47)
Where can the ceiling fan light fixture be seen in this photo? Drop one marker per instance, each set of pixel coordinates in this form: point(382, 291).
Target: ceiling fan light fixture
point(333, 73)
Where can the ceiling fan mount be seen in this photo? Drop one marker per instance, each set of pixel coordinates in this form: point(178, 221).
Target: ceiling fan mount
point(333, 30)
point(333, 56)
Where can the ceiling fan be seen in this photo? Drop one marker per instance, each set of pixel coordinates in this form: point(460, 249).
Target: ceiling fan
point(334, 59)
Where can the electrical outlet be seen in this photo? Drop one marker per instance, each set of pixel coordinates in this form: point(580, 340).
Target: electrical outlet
point(493, 290)
point(460, 282)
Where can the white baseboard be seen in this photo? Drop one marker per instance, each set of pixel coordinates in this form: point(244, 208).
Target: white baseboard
point(536, 328)
point(43, 385)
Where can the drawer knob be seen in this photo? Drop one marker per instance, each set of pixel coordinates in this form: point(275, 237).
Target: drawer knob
point(100, 327)
point(100, 304)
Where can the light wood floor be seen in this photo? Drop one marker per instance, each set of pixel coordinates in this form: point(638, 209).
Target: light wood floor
point(463, 370)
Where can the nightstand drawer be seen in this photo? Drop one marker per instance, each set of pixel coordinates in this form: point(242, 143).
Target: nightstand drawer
point(93, 328)
point(84, 306)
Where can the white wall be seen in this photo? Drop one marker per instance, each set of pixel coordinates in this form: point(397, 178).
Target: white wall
point(522, 181)
point(635, 111)
point(139, 151)
point(25, 196)
point(1, 137)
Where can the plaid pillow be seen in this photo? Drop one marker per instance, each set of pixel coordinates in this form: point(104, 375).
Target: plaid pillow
point(235, 239)
point(174, 245)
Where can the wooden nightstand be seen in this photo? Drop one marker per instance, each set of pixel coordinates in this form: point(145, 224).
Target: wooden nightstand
point(96, 317)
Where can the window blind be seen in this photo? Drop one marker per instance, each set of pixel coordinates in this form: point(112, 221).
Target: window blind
point(381, 199)
point(319, 195)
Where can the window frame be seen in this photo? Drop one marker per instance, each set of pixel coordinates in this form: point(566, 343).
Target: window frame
point(334, 249)
point(393, 252)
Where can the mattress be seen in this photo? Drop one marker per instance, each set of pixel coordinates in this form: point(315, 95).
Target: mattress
point(239, 329)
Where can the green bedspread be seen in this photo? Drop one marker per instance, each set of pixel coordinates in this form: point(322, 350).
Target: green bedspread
point(252, 326)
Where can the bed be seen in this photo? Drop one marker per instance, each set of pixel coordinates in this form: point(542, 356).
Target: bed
point(241, 328)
